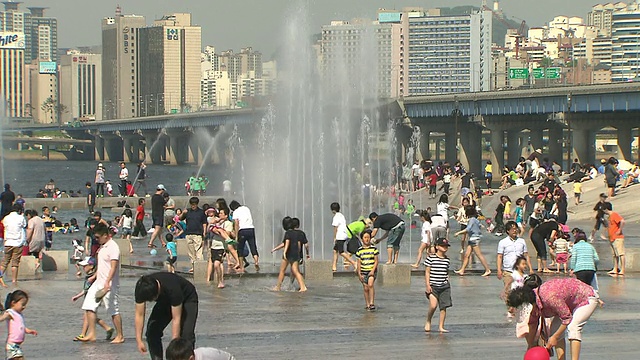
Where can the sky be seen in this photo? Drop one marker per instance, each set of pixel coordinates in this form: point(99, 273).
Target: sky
point(233, 24)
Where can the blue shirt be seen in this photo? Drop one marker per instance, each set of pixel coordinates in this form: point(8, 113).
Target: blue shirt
point(171, 246)
point(583, 257)
point(473, 228)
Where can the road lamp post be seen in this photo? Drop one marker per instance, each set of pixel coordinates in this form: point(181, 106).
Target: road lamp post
point(569, 135)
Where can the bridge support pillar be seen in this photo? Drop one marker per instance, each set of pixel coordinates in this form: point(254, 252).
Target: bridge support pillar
point(497, 150)
point(179, 148)
point(513, 147)
point(535, 138)
point(194, 150)
point(471, 149)
point(425, 140)
point(451, 147)
point(555, 145)
point(584, 145)
point(154, 148)
point(624, 143)
point(45, 151)
point(129, 148)
point(114, 148)
point(99, 146)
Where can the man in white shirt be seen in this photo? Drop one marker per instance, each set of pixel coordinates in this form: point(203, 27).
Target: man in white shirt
point(509, 250)
point(124, 177)
point(14, 238)
point(340, 237)
point(414, 175)
point(245, 233)
point(105, 287)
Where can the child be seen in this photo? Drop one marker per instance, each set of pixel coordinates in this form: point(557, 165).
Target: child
point(488, 174)
point(139, 229)
point(89, 266)
point(519, 216)
point(291, 256)
point(367, 269)
point(433, 183)
point(126, 223)
point(410, 208)
point(109, 188)
point(78, 251)
point(446, 181)
point(561, 246)
point(438, 290)
point(517, 280)
point(15, 304)
point(425, 240)
point(577, 190)
point(172, 250)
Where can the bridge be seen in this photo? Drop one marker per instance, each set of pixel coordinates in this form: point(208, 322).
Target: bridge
point(570, 116)
point(173, 138)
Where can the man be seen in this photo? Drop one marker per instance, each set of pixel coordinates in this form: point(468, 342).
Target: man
point(245, 231)
point(169, 208)
point(36, 234)
point(181, 349)
point(157, 215)
point(124, 177)
point(141, 175)
point(14, 237)
point(340, 237)
point(509, 250)
point(414, 175)
point(49, 224)
point(105, 286)
point(467, 184)
point(616, 240)
point(599, 215)
point(196, 221)
point(394, 230)
point(91, 197)
point(176, 303)
point(6, 198)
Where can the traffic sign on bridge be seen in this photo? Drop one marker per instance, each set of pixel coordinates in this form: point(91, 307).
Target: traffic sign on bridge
point(519, 73)
point(546, 73)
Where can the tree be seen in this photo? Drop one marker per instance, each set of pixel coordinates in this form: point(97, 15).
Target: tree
point(546, 62)
point(49, 106)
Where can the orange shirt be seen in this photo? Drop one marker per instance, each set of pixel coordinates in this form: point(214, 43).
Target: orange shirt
point(614, 226)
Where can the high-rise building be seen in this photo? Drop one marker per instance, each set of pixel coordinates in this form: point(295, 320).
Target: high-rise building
point(43, 104)
point(13, 80)
point(120, 64)
point(170, 71)
point(359, 52)
point(81, 87)
point(449, 54)
point(601, 17)
point(240, 64)
point(625, 38)
point(41, 32)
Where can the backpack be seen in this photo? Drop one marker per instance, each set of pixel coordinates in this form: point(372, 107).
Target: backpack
point(354, 243)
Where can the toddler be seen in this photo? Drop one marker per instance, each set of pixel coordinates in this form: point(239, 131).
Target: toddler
point(172, 250)
point(15, 304)
point(561, 246)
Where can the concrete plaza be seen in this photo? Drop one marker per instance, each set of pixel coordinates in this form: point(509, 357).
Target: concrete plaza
point(329, 321)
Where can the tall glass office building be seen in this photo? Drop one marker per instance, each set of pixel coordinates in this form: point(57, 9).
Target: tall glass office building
point(625, 34)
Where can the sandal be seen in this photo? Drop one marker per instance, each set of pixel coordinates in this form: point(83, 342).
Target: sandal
point(78, 338)
point(372, 307)
point(110, 333)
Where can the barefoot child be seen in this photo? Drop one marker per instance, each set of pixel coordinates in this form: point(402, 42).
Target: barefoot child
point(126, 223)
point(438, 290)
point(15, 304)
point(561, 246)
point(367, 268)
point(89, 267)
point(172, 251)
point(425, 237)
point(291, 256)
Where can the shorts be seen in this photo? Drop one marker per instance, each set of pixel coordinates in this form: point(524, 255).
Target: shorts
point(172, 259)
point(617, 246)
point(48, 240)
point(292, 259)
point(126, 231)
point(14, 351)
point(562, 258)
point(600, 222)
point(217, 254)
point(611, 185)
point(339, 246)
point(366, 275)
point(443, 294)
point(158, 220)
point(12, 254)
point(110, 300)
point(474, 241)
point(395, 236)
point(464, 191)
point(577, 195)
point(438, 232)
point(533, 222)
point(35, 254)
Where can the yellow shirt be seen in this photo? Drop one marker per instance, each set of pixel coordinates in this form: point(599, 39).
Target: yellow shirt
point(577, 188)
point(488, 168)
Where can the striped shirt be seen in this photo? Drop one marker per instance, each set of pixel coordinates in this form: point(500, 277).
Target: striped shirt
point(438, 269)
point(583, 257)
point(367, 256)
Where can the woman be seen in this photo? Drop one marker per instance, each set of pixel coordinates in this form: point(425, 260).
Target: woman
point(611, 176)
point(463, 220)
point(569, 303)
point(560, 207)
point(473, 230)
point(99, 181)
point(584, 259)
point(547, 231)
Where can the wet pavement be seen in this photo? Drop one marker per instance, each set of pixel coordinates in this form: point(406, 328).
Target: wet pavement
point(329, 321)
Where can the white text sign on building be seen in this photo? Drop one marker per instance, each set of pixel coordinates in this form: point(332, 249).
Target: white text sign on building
point(11, 40)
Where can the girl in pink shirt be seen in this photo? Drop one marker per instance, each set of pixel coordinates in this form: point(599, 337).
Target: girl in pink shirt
point(16, 303)
point(568, 302)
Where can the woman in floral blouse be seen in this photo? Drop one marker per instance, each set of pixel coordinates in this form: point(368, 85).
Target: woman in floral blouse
point(568, 303)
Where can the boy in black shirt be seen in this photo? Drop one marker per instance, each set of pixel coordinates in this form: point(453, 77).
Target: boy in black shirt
point(176, 302)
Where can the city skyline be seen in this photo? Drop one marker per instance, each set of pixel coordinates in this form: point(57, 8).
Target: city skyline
point(267, 19)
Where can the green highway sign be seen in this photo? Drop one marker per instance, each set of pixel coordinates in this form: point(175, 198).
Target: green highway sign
point(519, 73)
point(546, 73)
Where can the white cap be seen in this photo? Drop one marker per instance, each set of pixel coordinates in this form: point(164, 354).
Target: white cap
point(160, 187)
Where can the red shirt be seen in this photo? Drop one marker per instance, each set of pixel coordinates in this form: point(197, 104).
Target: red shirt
point(140, 212)
point(1, 230)
point(433, 179)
